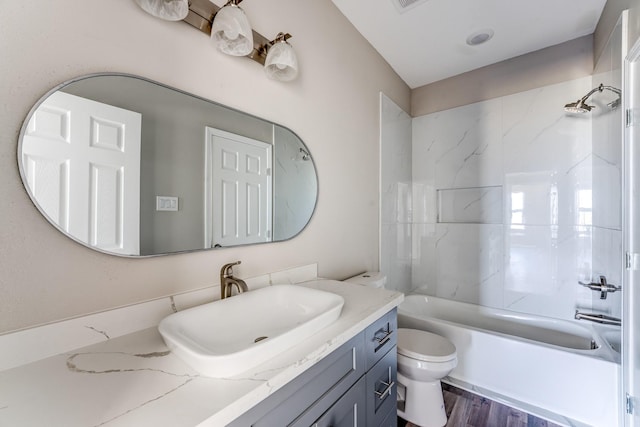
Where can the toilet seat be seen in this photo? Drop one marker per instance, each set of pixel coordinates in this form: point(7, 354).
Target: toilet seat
point(425, 346)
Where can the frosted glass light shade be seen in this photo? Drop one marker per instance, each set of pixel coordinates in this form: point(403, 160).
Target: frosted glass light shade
point(169, 10)
point(281, 63)
point(231, 31)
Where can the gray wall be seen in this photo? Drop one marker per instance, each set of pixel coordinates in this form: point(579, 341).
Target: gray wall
point(607, 23)
point(634, 22)
point(555, 64)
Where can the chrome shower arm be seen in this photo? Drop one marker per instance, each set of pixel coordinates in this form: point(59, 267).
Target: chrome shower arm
point(601, 88)
point(591, 92)
point(611, 88)
point(581, 106)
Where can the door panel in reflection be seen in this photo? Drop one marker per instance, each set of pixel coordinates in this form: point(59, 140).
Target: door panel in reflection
point(82, 162)
point(239, 210)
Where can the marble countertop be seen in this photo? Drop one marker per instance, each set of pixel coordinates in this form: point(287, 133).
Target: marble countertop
point(135, 380)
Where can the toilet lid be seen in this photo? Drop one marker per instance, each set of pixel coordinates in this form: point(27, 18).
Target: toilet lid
point(422, 345)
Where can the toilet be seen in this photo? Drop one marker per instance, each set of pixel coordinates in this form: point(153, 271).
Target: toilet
point(424, 358)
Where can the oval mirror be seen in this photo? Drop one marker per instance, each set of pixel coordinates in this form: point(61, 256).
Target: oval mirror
point(131, 167)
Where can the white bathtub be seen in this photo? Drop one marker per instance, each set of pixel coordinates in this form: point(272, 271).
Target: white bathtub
point(544, 366)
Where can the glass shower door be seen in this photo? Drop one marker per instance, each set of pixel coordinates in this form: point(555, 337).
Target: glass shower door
point(631, 233)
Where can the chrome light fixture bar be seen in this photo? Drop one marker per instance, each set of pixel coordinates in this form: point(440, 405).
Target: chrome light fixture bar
point(281, 65)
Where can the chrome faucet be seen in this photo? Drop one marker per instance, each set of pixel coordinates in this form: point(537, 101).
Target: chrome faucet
point(598, 318)
point(603, 287)
point(227, 281)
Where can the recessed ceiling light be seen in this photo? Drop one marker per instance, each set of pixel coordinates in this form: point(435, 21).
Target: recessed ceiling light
point(479, 37)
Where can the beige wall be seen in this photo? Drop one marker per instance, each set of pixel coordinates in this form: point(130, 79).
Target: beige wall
point(608, 21)
point(609, 18)
point(333, 106)
point(634, 22)
point(555, 64)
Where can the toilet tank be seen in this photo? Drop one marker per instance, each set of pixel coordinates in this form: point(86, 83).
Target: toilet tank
point(372, 279)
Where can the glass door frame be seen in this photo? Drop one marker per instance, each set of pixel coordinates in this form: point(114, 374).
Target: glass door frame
point(630, 405)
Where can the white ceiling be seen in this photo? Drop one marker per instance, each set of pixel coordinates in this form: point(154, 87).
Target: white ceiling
point(427, 43)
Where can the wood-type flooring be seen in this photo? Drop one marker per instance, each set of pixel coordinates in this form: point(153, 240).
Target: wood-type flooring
point(466, 409)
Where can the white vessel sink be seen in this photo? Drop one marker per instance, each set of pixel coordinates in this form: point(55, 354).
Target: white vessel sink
point(227, 337)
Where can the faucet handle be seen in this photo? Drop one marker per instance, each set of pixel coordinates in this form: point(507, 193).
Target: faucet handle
point(227, 269)
point(603, 287)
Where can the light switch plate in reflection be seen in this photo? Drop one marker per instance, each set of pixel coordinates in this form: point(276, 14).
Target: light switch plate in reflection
point(166, 203)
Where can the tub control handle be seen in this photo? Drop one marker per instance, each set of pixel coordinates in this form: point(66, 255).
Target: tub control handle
point(603, 287)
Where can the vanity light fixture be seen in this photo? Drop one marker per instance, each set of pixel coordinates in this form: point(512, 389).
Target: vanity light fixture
point(230, 30)
point(169, 10)
point(281, 63)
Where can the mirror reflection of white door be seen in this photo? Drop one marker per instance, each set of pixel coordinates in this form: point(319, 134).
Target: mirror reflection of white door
point(82, 164)
point(238, 189)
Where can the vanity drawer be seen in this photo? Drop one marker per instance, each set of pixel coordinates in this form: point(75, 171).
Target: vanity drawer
point(381, 391)
point(348, 411)
point(380, 337)
point(352, 386)
point(313, 392)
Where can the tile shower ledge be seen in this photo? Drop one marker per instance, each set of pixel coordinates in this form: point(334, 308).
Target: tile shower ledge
point(135, 380)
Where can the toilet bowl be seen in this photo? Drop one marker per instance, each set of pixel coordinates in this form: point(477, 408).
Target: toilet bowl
point(424, 359)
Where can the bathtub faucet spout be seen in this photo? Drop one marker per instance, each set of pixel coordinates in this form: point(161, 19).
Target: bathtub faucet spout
point(598, 318)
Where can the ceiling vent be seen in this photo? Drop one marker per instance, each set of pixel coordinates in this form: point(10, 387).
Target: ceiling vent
point(405, 5)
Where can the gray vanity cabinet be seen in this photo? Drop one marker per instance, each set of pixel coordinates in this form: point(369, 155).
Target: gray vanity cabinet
point(347, 411)
point(354, 386)
point(382, 363)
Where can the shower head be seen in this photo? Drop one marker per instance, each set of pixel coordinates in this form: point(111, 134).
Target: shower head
point(581, 106)
point(578, 107)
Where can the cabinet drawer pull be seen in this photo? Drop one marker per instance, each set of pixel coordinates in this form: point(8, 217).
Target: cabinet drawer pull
point(387, 336)
point(389, 386)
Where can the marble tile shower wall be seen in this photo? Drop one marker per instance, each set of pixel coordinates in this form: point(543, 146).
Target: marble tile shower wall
point(503, 212)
